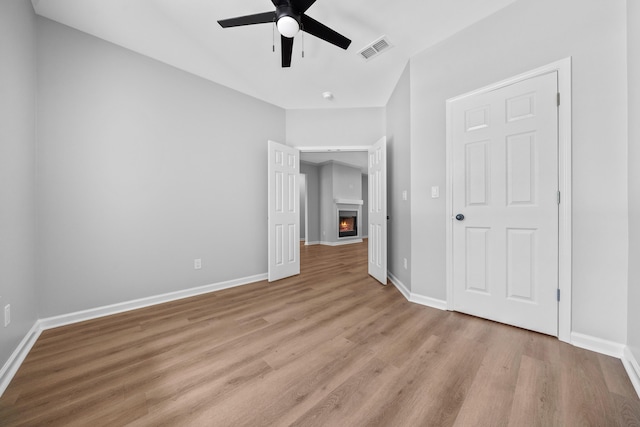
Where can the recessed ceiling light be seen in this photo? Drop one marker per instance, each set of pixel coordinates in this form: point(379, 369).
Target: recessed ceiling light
point(327, 95)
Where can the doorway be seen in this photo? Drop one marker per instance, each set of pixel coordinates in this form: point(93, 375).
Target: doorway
point(322, 171)
point(356, 204)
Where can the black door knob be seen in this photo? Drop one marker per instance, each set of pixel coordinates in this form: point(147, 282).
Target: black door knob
point(459, 217)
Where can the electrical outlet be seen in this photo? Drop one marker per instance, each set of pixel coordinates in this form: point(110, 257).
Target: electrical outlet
point(405, 263)
point(197, 264)
point(7, 315)
point(404, 195)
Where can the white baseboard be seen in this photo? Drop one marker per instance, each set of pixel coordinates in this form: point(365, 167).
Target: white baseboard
point(599, 345)
point(14, 362)
point(400, 286)
point(346, 242)
point(632, 367)
point(108, 310)
point(429, 302)
point(416, 298)
point(311, 243)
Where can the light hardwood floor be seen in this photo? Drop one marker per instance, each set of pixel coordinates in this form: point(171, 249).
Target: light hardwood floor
point(331, 347)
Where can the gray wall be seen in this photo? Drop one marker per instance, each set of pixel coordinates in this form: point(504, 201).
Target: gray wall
point(327, 217)
point(398, 119)
point(335, 127)
point(633, 48)
point(312, 176)
point(143, 168)
point(347, 182)
point(18, 261)
point(521, 37)
point(337, 181)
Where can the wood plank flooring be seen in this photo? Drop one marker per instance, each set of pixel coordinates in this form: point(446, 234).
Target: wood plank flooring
point(330, 347)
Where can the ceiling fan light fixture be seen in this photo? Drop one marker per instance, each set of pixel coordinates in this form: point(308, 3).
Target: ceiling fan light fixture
point(288, 26)
point(290, 18)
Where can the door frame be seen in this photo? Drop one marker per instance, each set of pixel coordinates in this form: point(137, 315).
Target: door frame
point(563, 68)
point(306, 210)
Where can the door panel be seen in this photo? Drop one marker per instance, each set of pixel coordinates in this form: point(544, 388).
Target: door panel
point(505, 183)
point(521, 247)
point(477, 171)
point(378, 211)
point(476, 259)
point(521, 152)
point(284, 217)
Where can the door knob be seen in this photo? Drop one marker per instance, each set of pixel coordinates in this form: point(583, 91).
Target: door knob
point(459, 217)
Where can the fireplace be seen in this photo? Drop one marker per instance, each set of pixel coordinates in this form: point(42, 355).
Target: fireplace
point(347, 223)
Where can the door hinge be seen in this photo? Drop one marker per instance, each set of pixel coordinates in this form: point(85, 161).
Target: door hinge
point(558, 294)
point(558, 99)
point(558, 197)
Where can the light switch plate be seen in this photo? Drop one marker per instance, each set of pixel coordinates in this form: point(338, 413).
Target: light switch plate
point(435, 192)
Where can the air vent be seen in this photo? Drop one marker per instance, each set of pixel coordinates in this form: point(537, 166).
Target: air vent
point(375, 48)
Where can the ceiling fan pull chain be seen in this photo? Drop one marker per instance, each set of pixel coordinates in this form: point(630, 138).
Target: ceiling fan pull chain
point(273, 37)
point(303, 43)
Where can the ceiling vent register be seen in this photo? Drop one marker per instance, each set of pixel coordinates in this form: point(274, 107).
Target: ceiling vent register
point(374, 49)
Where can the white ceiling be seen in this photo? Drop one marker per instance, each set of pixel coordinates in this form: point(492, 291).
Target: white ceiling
point(185, 34)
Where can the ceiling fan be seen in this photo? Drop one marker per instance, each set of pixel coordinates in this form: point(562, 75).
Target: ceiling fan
point(290, 18)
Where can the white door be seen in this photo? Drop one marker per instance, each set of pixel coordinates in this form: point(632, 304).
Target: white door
point(505, 184)
point(284, 214)
point(378, 210)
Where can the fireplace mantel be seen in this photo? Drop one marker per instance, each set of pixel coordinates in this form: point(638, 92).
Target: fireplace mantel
point(348, 202)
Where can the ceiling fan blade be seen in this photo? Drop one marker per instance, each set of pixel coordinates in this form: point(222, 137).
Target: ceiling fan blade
point(286, 44)
point(258, 18)
point(315, 28)
point(302, 5)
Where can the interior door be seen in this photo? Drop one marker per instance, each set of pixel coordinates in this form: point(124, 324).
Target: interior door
point(378, 210)
point(505, 204)
point(284, 214)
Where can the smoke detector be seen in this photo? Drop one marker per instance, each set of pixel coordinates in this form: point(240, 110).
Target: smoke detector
point(374, 49)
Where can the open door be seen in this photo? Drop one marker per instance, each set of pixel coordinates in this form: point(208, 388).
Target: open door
point(378, 210)
point(284, 213)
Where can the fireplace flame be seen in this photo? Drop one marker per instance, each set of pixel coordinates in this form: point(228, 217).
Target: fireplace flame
point(347, 224)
